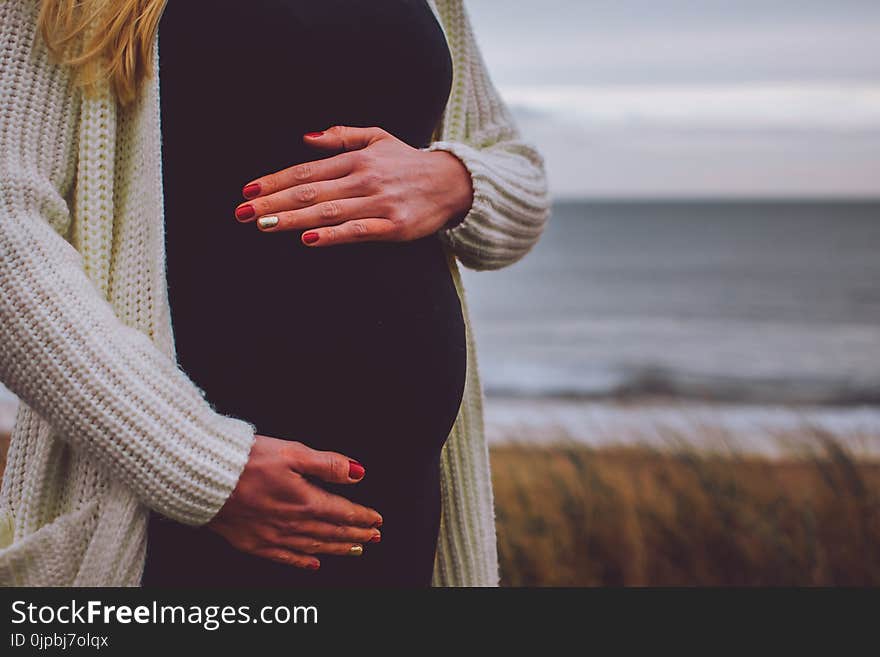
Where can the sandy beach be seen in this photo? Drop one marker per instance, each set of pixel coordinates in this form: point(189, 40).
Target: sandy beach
point(757, 429)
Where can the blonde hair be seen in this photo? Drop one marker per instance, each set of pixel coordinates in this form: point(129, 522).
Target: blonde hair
point(103, 40)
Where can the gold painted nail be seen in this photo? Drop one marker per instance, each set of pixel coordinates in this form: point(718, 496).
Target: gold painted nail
point(267, 222)
point(356, 550)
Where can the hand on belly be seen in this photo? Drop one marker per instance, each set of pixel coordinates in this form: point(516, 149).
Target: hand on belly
point(367, 324)
point(275, 512)
point(377, 188)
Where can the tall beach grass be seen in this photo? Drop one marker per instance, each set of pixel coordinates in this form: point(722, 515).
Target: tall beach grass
point(568, 515)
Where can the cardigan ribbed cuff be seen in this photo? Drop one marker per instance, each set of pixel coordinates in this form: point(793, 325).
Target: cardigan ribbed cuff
point(508, 211)
point(228, 447)
point(465, 154)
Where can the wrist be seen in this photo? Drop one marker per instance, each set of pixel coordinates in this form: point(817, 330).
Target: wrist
point(459, 197)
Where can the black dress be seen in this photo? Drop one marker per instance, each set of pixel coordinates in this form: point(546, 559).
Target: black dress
point(357, 348)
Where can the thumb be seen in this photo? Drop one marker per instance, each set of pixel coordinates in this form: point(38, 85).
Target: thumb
point(344, 138)
point(327, 466)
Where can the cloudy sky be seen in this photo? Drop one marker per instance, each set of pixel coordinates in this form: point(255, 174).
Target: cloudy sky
point(652, 98)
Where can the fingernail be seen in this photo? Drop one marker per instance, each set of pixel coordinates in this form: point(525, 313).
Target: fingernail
point(356, 550)
point(378, 524)
point(314, 565)
point(355, 470)
point(376, 539)
point(250, 191)
point(315, 134)
point(310, 238)
point(245, 212)
point(267, 222)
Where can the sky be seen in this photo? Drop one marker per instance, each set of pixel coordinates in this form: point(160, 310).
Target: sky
point(692, 98)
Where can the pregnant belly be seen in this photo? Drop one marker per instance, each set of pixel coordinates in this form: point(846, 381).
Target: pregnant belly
point(357, 348)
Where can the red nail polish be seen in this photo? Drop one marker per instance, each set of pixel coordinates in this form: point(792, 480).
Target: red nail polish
point(310, 238)
point(245, 212)
point(376, 539)
point(313, 565)
point(355, 470)
point(378, 524)
point(250, 191)
point(315, 134)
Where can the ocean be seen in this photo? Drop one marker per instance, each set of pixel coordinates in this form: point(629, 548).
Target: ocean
point(630, 320)
point(735, 301)
point(761, 314)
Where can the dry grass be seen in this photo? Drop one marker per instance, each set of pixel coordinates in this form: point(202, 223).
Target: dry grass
point(572, 516)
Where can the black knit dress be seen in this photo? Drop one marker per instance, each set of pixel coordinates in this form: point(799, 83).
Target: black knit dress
point(357, 348)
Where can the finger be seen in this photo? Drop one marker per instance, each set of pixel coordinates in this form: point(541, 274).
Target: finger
point(300, 196)
point(337, 509)
point(327, 169)
point(288, 557)
point(358, 230)
point(328, 213)
point(309, 545)
point(346, 138)
point(288, 515)
point(329, 531)
point(328, 466)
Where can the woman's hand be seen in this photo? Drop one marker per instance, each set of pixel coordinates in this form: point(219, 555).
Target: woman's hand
point(376, 188)
point(277, 513)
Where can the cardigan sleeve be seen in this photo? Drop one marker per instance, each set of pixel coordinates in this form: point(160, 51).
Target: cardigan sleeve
point(511, 203)
point(102, 385)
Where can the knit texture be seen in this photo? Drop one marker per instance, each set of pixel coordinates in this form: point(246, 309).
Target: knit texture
point(109, 426)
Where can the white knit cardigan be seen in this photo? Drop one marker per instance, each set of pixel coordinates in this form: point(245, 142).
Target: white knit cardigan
point(109, 426)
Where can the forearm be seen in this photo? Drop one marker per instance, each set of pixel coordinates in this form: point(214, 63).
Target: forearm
point(104, 386)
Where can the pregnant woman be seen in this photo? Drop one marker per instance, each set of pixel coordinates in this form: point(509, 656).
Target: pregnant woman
point(314, 417)
point(357, 348)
